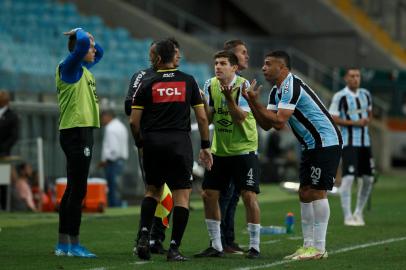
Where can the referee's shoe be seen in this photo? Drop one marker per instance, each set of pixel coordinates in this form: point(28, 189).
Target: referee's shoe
point(210, 252)
point(174, 255)
point(143, 249)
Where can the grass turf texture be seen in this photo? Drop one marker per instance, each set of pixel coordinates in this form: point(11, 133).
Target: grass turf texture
point(27, 240)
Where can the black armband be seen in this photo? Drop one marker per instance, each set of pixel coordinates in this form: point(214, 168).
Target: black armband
point(204, 144)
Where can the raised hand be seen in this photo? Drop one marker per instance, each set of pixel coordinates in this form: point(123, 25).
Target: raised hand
point(227, 91)
point(253, 92)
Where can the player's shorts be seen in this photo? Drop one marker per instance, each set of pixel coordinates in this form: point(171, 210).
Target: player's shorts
point(168, 158)
point(243, 170)
point(357, 161)
point(318, 167)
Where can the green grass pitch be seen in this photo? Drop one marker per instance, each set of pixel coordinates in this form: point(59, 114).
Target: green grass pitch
point(27, 240)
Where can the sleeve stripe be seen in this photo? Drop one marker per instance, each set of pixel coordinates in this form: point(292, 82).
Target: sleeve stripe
point(198, 105)
point(137, 107)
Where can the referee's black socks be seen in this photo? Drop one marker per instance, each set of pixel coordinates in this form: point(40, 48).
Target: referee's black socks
point(148, 206)
point(180, 220)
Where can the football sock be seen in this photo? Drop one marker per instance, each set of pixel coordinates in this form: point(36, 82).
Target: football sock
point(307, 216)
point(213, 227)
point(364, 189)
point(180, 220)
point(148, 206)
point(253, 230)
point(345, 195)
point(321, 210)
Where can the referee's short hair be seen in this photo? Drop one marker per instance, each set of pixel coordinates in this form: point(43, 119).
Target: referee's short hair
point(281, 55)
point(227, 54)
point(166, 50)
point(230, 45)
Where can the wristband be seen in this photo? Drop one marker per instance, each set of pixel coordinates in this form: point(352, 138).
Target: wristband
point(204, 144)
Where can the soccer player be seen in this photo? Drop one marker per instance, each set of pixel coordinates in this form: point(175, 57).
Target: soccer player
point(351, 109)
point(292, 102)
point(235, 144)
point(229, 197)
point(79, 115)
point(160, 122)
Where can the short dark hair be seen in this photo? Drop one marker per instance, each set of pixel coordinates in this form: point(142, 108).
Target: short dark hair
point(229, 55)
point(166, 50)
point(72, 43)
point(230, 45)
point(281, 55)
point(351, 68)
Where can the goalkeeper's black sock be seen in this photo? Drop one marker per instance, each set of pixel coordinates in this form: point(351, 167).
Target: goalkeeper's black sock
point(148, 206)
point(180, 220)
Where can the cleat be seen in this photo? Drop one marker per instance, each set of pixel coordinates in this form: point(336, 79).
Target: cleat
point(298, 252)
point(252, 254)
point(236, 247)
point(143, 251)
point(174, 255)
point(157, 248)
point(80, 251)
point(61, 250)
point(311, 253)
point(358, 220)
point(349, 221)
point(210, 252)
point(233, 248)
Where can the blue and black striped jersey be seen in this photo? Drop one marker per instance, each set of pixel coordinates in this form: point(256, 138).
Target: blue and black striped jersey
point(311, 123)
point(353, 106)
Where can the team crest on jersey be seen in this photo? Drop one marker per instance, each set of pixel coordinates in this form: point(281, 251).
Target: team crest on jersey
point(168, 92)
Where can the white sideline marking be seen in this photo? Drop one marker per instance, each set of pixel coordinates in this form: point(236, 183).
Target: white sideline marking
point(341, 250)
point(140, 262)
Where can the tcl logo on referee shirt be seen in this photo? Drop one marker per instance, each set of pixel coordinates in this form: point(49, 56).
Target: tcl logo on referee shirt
point(168, 92)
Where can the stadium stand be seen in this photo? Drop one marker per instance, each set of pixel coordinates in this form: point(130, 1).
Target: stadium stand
point(32, 44)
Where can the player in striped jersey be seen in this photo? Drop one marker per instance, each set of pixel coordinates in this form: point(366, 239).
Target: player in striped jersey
point(292, 102)
point(351, 108)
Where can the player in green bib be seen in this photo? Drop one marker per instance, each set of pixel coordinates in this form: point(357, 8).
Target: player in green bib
point(235, 142)
point(79, 115)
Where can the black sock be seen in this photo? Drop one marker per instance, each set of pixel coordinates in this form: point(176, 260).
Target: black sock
point(148, 206)
point(180, 219)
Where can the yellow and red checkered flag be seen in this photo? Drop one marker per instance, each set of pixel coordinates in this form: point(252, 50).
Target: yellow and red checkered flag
point(165, 206)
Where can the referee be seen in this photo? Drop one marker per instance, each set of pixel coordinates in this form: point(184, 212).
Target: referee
point(160, 123)
point(79, 115)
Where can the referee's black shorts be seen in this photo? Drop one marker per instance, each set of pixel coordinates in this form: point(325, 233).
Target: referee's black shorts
point(168, 158)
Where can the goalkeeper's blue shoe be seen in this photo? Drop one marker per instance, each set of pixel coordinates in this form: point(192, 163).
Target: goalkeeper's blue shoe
point(61, 250)
point(80, 251)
